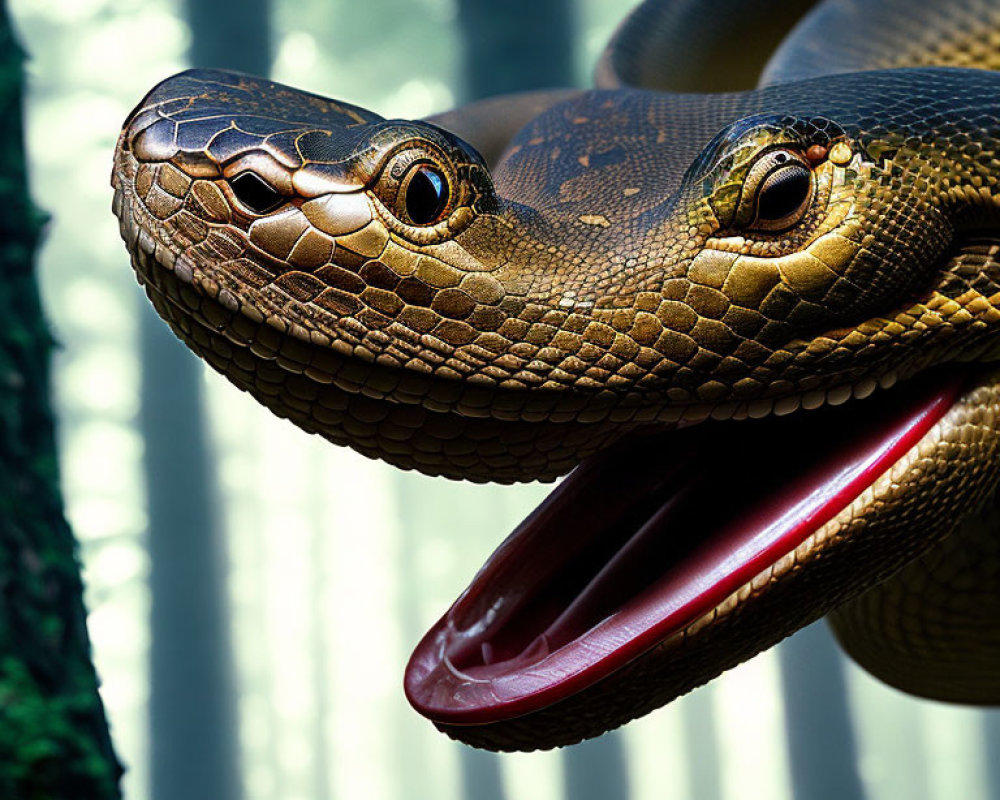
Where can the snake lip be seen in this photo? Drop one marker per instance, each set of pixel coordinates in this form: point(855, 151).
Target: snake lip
point(644, 539)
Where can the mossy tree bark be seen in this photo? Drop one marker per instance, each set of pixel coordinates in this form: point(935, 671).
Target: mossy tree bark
point(53, 736)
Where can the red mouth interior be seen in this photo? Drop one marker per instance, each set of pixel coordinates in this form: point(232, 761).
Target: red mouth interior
point(641, 540)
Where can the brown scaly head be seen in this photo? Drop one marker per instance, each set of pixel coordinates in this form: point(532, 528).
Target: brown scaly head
point(637, 263)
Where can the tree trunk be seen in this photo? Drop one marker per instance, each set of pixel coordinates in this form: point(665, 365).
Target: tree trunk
point(193, 742)
point(517, 45)
point(53, 735)
point(991, 744)
point(821, 747)
point(595, 770)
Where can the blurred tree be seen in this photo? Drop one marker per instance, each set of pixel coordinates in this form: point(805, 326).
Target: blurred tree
point(514, 46)
point(596, 769)
point(194, 749)
point(821, 747)
point(53, 735)
point(510, 47)
point(991, 745)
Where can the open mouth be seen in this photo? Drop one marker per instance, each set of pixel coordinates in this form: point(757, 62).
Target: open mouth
point(645, 538)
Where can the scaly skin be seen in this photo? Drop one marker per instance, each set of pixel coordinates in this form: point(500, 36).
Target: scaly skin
point(548, 316)
point(608, 275)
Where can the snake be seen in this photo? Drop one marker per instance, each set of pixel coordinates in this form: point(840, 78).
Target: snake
point(744, 295)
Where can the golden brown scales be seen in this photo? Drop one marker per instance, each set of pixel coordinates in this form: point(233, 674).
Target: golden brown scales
point(634, 259)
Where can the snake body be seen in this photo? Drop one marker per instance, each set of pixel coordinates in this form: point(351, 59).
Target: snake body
point(762, 322)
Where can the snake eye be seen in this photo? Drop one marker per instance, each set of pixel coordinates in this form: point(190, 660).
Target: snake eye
point(425, 195)
point(776, 193)
point(783, 194)
point(255, 193)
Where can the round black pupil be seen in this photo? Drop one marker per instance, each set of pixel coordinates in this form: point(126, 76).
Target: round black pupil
point(255, 193)
point(426, 196)
point(783, 193)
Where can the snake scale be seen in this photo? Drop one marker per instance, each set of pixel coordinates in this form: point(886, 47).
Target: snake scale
point(759, 325)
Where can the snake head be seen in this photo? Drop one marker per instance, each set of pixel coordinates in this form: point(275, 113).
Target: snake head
point(634, 265)
point(331, 241)
point(294, 172)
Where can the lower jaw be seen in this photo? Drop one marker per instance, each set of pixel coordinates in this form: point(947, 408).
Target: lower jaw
point(647, 539)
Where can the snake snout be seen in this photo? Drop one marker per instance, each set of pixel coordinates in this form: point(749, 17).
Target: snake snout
point(150, 138)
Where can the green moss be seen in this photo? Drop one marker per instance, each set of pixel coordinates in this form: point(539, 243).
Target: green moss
point(45, 742)
point(54, 742)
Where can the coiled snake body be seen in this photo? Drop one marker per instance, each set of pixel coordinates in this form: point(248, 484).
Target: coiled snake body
point(763, 323)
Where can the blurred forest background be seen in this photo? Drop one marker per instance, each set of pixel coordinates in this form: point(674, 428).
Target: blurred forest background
point(253, 591)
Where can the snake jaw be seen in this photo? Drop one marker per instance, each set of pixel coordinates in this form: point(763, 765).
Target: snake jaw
point(593, 604)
